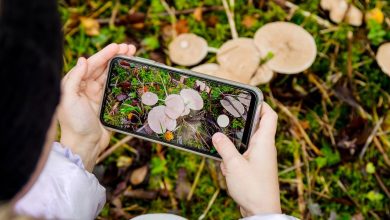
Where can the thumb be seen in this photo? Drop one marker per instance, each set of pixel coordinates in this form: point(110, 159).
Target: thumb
point(75, 76)
point(225, 148)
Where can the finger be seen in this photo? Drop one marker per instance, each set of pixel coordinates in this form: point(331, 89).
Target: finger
point(268, 123)
point(75, 76)
point(225, 148)
point(101, 58)
point(132, 50)
point(123, 49)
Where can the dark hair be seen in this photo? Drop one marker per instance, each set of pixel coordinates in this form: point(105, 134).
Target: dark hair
point(30, 68)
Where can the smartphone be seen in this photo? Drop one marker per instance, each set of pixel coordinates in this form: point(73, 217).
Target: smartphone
point(176, 107)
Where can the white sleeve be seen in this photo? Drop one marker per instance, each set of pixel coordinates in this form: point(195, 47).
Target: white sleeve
point(270, 217)
point(64, 190)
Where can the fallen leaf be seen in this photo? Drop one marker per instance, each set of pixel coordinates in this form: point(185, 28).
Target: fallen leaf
point(138, 175)
point(124, 161)
point(91, 26)
point(198, 12)
point(183, 186)
point(182, 26)
point(140, 194)
point(212, 21)
point(248, 21)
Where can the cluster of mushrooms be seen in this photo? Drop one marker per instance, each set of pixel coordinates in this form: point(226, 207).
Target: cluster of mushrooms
point(163, 118)
point(244, 60)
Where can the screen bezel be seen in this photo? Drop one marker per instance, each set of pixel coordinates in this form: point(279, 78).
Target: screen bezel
point(248, 124)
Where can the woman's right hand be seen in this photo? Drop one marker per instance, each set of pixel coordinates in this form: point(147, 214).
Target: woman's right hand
point(252, 178)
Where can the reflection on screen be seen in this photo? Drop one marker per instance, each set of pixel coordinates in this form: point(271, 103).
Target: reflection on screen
point(174, 108)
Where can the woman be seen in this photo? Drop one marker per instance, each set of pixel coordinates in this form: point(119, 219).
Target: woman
point(46, 179)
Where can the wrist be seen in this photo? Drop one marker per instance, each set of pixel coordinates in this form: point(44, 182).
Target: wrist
point(86, 150)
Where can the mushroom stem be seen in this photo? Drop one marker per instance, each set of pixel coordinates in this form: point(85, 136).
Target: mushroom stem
point(230, 16)
point(295, 7)
point(172, 16)
point(212, 49)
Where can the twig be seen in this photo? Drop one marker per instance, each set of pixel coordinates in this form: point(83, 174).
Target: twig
point(312, 78)
point(200, 169)
point(190, 11)
point(299, 126)
point(382, 185)
point(211, 202)
point(114, 14)
point(287, 170)
point(300, 186)
point(295, 7)
point(378, 145)
point(230, 16)
point(369, 139)
point(344, 189)
point(172, 16)
point(106, 153)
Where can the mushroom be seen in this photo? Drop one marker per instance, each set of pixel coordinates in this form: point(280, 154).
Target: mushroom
point(149, 98)
point(383, 58)
point(188, 49)
point(224, 74)
point(239, 57)
point(207, 68)
point(245, 99)
point(202, 86)
point(339, 10)
point(233, 106)
point(159, 122)
point(293, 48)
point(174, 106)
point(263, 75)
point(223, 121)
point(192, 99)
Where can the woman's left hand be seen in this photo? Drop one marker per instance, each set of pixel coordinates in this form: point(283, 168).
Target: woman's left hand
point(82, 91)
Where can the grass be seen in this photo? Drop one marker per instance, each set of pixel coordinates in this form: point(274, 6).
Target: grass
point(333, 107)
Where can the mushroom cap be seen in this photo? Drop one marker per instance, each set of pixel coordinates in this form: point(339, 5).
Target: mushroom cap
point(245, 99)
point(192, 99)
point(223, 121)
point(174, 106)
point(327, 4)
point(294, 49)
point(225, 74)
point(207, 68)
point(338, 10)
point(188, 49)
point(159, 122)
point(186, 111)
point(202, 85)
point(149, 98)
point(383, 58)
point(263, 75)
point(233, 106)
point(354, 16)
point(239, 57)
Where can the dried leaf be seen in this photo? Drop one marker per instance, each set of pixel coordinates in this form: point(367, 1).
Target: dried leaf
point(140, 194)
point(198, 12)
point(138, 175)
point(182, 26)
point(248, 21)
point(91, 26)
point(183, 186)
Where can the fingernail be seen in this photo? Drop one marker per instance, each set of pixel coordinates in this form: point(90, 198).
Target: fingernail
point(79, 61)
point(217, 137)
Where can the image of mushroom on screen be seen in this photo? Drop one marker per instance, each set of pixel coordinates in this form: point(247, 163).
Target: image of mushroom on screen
point(174, 108)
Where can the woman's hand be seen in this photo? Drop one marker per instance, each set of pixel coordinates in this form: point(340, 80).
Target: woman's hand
point(252, 178)
point(82, 91)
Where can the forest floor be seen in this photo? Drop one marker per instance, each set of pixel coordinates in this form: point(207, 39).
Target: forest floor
point(333, 136)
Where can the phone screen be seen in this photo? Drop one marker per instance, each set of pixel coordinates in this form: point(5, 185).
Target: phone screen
point(175, 107)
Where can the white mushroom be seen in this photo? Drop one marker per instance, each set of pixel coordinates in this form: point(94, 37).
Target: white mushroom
point(149, 98)
point(224, 74)
point(354, 16)
point(239, 57)
point(293, 48)
point(192, 99)
point(223, 121)
point(188, 49)
point(233, 106)
point(186, 111)
point(383, 58)
point(263, 75)
point(340, 10)
point(245, 99)
point(159, 122)
point(202, 85)
point(174, 106)
point(207, 68)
